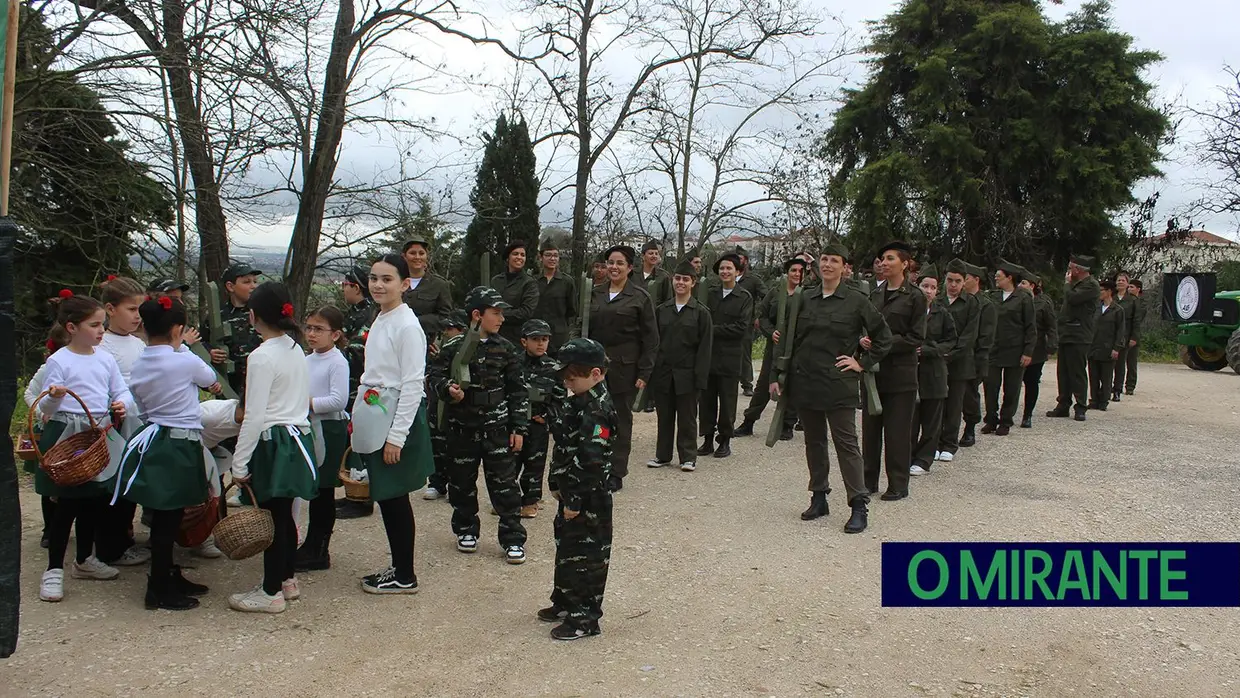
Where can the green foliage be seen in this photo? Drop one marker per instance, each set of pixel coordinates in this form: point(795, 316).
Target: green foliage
point(985, 129)
point(1228, 276)
point(505, 200)
point(421, 222)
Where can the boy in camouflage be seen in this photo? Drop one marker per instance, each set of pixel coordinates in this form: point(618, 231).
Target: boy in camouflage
point(454, 326)
point(546, 393)
point(584, 435)
point(486, 421)
point(239, 281)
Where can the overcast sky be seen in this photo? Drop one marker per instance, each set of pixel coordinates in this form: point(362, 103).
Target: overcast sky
point(1196, 38)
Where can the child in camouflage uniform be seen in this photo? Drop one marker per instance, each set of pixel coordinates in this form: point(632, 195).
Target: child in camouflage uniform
point(454, 325)
point(487, 422)
point(546, 392)
point(584, 435)
point(239, 281)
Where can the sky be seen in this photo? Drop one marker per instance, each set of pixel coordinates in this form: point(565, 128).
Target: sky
point(1195, 37)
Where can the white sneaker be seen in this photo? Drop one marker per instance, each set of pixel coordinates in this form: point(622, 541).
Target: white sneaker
point(234, 501)
point(52, 588)
point(937, 455)
point(93, 569)
point(136, 555)
point(257, 601)
point(467, 543)
point(515, 554)
point(688, 466)
point(946, 457)
point(291, 589)
point(656, 463)
point(431, 493)
point(918, 470)
point(207, 550)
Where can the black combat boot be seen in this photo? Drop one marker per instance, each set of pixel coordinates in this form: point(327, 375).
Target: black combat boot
point(745, 429)
point(786, 434)
point(724, 449)
point(817, 507)
point(1079, 413)
point(860, 516)
point(708, 445)
point(1027, 422)
point(970, 436)
point(161, 595)
point(1059, 412)
point(351, 509)
point(1115, 396)
point(184, 586)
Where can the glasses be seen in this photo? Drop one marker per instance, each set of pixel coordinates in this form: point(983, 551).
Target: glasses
point(316, 329)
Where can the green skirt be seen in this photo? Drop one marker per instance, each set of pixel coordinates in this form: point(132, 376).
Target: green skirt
point(170, 474)
point(410, 473)
point(44, 485)
point(279, 468)
point(335, 442)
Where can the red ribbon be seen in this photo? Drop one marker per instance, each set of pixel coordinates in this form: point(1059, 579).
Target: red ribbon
point(287, 310)
point(165, 303)
point(111, 277)
point(65, 293)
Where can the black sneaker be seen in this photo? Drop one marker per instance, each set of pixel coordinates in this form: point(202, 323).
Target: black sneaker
point(551, 614)
point(564, 631)
point(182, 585)
point(385, 582)
point(350, 509)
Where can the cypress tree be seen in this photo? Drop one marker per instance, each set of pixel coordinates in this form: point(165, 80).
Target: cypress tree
point(505, 198)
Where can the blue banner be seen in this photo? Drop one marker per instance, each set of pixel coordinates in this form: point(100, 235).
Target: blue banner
point(1061, 574)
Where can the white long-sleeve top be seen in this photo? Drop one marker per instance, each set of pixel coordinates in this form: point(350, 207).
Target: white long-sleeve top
point(165, 386)
point(94, 377)
point(35, 386)
point(396, 358)
point(125, 349)
point(277, 392)
point(329, 381)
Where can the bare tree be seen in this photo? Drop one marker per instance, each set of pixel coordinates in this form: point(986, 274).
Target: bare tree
point(1219, 149)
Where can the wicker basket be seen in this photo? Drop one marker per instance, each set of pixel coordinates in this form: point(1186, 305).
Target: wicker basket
point(245, 532)
point(76, 460)
point(198, 523)
point(353, 490)
point(26, 450)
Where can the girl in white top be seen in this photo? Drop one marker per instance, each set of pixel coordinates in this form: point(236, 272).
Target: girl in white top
point(96, 380)
point(56, 339)
point(273, 454)
point(329, 396)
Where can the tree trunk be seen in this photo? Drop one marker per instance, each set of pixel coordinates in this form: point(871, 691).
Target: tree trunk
point(583, 142)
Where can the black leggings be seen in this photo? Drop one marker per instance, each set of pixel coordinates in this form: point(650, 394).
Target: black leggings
point(322, 514)
point(85, 512)
point(49, 514)
point(399, 524)
point(279, 559)
point(165, 524)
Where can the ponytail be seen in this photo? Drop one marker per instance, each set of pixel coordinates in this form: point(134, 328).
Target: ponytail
point(272, 303)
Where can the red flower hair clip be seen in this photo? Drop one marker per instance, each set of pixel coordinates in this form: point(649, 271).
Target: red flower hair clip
point(287, 310)
point(51, 346)
point(65, 293)
point(111, 277)
point(166, 303)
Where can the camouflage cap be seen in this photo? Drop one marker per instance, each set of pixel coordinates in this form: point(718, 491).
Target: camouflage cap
point(456, 320)
point(238, 270)
point(535, 328)
point(483, 297)
point(582, 352)
point(167, 286)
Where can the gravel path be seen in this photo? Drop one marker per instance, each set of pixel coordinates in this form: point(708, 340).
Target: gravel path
point(716, 588)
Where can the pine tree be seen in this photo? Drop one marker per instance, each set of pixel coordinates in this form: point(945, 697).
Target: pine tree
point(505, 199)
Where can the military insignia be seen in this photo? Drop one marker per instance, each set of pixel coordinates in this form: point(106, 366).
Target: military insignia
point(601, 431)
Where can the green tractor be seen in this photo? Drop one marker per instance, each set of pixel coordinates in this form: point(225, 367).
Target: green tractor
point(1209, 336)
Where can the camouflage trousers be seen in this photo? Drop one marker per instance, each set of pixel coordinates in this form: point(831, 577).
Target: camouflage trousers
point(582, 556)
point(533, 459)
point(488, 445)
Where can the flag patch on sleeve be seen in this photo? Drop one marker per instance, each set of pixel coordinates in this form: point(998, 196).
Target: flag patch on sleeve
point(601, 431)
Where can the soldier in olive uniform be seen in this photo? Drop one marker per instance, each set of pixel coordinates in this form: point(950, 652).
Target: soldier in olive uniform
point(973, 285)
point(885, 437)
point(622, 320)
point(941, 342)
point(454, 325)
point(1135, 321)
point(824, 381)
point(966, 312)
point(238, 282)
point(681, 369)
point(731, 313)
point(1127, 300)
point(1076, 333)
point(585, 434)
point(429, 294)
point(558, 297)
point(768, 314)
point(1110, 336)
point(546, 393)
point(487, 422)
point(357, 319)
point(751, 284)
point(519, 290)
point(1016, 334)
point(1047, 343)
point(598, 269)
point(652, 278)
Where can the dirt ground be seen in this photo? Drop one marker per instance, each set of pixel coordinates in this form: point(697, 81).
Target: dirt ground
point(716, 588)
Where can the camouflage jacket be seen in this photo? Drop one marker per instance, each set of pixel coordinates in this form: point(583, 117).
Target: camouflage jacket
point(497, 397)
point(357, 321)
point(584, 436)
point(242, 340)
point(545, 387)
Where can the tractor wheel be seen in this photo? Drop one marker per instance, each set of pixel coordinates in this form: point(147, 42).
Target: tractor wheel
point(1233, 351)
point(1200, 359)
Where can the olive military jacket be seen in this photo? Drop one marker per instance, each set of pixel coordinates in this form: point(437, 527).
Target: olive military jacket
point(987, 323)
point(686, 338)
point(1016, 328)
point(904, 309)
point(626, 328)
point(431, 301)
point(659, 285)
point(557, 304)
point(1080, 308)
point(519, 290)
point(966, 314)
point(941, 339)
point(1048, 332)
point(827, 328)
point(768, 308)
point(1109, 332)
point(1132, 316)
point(732, 318)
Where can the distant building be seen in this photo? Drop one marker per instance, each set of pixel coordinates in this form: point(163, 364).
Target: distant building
point(1194, 250)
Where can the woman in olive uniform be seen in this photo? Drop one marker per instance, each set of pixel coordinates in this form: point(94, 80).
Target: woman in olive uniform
point(731, 312)
point(1046, 344)
point(681, 369)
point(429, 294)
point(519, 289)
point(1015, 338)
point(622, 320)
point(941, 342)
point(903, 306)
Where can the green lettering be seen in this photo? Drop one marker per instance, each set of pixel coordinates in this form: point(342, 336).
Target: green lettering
point(1074, 567)
point(1038, 577)
point(1143, 576)
point(1014, 582)
point(1166, 575)
point(970, 576)
point(944, 575)
point(1102, 568)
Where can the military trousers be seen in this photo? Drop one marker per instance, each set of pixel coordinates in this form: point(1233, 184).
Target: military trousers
point(1009, 380)
point(746, 379)
point(973, 398)
point(953, 411)
point(488, 445)
point(677, 419)
point(762, 393)
point(1126, 370)
point(927, 428)
point(439, 451)
point(622, 397)
point(582, 557)
point(717, 411)
point(1101, 375)
point(885, 439)
point(1033, 386)
point(533, 460)
point(1071, 372)
point(843, 423)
